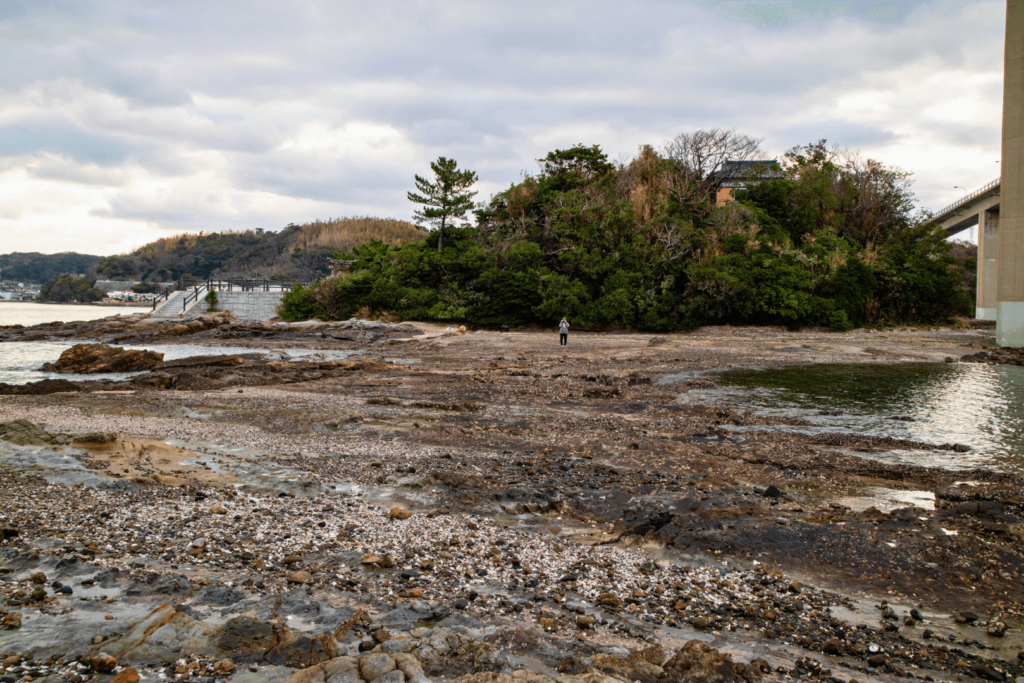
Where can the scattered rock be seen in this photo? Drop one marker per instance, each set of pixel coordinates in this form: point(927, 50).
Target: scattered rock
point(129, 675)
point(224, 666)
point(997, 629)
point(697, 662)
point(96, 438)
point(399, 513)
point(300, 650)
point(103, 663)
point(585, 622)
point(987, 672)
point(337, 670)
point(375, 664)
point(832, 646)
point(300, 577)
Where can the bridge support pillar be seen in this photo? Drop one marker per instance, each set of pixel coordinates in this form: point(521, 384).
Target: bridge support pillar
point(1010, 308)
point(988, 265)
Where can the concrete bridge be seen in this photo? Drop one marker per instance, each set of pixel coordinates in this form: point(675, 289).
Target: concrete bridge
point(998, 208)
point(980, 208)
point(1010, 297)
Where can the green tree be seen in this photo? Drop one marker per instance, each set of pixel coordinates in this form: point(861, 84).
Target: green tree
point(67, 288)
point(445, 200)
point(642, 245)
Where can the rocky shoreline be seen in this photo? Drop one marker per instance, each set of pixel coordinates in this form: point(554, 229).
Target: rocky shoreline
point(483, 505)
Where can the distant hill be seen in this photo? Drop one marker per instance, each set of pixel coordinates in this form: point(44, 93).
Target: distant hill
point(38, 268)
point(298, 252)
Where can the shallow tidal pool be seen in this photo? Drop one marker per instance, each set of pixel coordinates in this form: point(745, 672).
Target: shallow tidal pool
point(980, 406)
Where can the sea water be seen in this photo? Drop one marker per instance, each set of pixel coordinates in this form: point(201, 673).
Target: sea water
point(977, 405)
point(20, 362)
point(27, 313)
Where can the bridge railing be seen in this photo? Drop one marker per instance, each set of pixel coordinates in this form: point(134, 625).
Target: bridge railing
point(966, 200)
point(161, 297)
point(195, 289)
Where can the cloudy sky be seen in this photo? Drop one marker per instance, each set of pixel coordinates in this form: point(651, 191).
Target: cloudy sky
point(125, 121)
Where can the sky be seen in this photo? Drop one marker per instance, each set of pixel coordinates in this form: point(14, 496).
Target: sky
point(122, 122)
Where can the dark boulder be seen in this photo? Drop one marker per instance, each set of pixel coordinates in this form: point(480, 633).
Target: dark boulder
point(697, 662)
point(92, 358)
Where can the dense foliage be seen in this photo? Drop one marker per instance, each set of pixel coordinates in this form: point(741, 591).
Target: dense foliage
point(67, 288)
point(145, 288)
point(967, 255)
point(298, 252)
point(35, 267)
point(831, 240)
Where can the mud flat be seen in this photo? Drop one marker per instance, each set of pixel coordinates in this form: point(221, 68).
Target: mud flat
point(488, 504)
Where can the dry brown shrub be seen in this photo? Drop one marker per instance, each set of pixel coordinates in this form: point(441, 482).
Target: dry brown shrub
point(387, 317)
point(645, 184)
point(345, 234)
point(520, 197)
point(329, 298)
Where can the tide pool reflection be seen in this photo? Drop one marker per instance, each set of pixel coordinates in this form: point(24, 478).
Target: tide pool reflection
point(981, 406)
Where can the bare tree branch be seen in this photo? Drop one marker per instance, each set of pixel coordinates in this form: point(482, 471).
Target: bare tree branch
point(699, 153)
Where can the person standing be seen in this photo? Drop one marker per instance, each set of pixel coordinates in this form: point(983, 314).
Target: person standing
point(563, 332)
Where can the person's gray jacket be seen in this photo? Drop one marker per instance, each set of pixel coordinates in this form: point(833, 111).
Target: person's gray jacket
point(563, 327)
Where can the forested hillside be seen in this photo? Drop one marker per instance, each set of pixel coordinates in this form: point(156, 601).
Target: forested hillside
point(834, 241)
point(38, 268)
point(298, 252)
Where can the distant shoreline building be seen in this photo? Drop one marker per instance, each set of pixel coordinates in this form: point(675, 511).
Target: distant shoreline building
point(18, 291)
point(736, 175)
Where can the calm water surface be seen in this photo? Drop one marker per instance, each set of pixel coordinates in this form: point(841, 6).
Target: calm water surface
point(17, 313)
point(981, 406)
point(20, 361)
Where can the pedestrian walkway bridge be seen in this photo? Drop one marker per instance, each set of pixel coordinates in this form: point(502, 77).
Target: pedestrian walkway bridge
point(247, 299)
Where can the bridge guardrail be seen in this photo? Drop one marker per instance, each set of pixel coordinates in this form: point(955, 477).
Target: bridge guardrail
point(966, 200)
point(162, 296)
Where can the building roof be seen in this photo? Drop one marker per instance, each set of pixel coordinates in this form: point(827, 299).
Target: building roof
point(739, 173)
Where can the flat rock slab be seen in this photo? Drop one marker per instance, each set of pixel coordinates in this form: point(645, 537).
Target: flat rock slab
point(60, 468)
point(265, 674)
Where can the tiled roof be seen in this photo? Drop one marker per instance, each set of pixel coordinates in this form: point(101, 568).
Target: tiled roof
point(742, 170)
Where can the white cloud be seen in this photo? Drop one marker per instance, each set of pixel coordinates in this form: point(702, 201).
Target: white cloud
point(126, 121)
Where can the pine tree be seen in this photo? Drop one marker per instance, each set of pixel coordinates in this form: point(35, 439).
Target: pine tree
point(444, 200)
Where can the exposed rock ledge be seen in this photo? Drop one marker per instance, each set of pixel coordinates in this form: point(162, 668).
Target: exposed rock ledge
point(92, 358)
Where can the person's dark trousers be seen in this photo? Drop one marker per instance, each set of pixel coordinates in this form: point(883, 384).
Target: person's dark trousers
point(564, 339)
